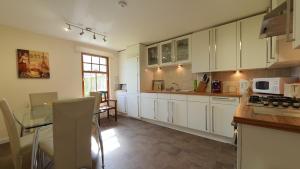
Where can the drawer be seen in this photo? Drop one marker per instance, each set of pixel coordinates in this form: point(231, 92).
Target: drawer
point(149, 95)
point(204, 99)
point(163, 96)
point(224, 100)
point(178, 97)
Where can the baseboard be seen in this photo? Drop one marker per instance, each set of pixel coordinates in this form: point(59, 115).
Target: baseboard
point(190, 131)
point(4, 140)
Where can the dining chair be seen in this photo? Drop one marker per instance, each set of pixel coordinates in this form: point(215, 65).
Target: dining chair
point(20, 146)
point(106, 104)
point(38, 100)
point(70, 147)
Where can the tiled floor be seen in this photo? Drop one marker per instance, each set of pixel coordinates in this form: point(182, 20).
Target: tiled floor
point(134, 144)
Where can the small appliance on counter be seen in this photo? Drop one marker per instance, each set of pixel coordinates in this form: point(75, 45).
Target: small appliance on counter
point(274, 85)
point(216, 86)
point(292, 90)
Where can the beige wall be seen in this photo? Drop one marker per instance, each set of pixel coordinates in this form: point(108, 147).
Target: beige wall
point(65, 68)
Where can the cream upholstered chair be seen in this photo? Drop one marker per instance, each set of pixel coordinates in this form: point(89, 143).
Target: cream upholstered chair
point(70, 147)
point(20, 146)
point(37, 99)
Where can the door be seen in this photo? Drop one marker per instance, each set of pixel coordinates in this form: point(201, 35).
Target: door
point(198, 115)
point(224, 51)
point(132, 74)
point(253, 51)
point(179, 113)
point(148, 107)
point(152, 55)
point(132, 101)
point(222, 116)
point(166, 53)
point(183, 49)
point(162, 113)
point(200, 51)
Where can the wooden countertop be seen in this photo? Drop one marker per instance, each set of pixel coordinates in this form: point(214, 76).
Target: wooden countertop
point(196, 93)
point(246, 115)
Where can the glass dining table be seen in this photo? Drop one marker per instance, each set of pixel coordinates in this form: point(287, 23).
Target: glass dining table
point(38, 116)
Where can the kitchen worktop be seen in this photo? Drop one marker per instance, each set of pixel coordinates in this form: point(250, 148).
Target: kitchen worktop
point(195, 93)
point(245, 115)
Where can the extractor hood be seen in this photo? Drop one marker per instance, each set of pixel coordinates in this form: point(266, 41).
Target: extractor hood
point(279, 21)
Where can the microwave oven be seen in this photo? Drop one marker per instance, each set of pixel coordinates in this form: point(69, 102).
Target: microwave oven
point(274, 85)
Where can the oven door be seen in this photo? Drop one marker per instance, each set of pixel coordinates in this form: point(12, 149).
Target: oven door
point(262, 86)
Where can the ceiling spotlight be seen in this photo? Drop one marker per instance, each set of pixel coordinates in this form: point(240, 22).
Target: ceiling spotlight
point(81, 33)
point(123, 3)
point(104, 39)
point(94, 36)
point(68, 28)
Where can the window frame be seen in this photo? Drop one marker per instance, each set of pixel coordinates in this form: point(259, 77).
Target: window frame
point(96, 72)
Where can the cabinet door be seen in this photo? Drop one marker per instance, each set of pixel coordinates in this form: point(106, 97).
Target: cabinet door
point(222, 116)
point(166, 53)
point(147, 107)
point(162, 113)
point(121, 103)
point(132, 101)
point(296, 24)
point(122, 67)
point(152, 55)
point(183, 49)
point(179, 113)
point(224, 57)
point(132, 74)
point(200, 51)
point(253, 51)
point(198, 115)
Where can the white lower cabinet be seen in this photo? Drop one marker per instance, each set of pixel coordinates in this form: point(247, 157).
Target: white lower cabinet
point(198, 117)
point(132, 104)
point(121, 103)
point(162, 112)
point(179, 112)
point(148, 105)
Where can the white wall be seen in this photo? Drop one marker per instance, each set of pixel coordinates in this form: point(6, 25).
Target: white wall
point(65, 68)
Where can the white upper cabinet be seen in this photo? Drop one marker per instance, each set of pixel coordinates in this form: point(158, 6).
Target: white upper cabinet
point(252, 51)
point(153, 55)
point(166, 53)
point(200, 51)
point(224, 43)
point(183, 49)
point(296, 24)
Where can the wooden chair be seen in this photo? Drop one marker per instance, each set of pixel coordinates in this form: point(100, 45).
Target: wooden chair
point(106, 106)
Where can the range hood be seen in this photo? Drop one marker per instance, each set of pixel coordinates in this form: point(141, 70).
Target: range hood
point(279, 21)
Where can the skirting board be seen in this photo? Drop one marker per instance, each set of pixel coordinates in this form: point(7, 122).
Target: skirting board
point(190, 131)
point(4, 140)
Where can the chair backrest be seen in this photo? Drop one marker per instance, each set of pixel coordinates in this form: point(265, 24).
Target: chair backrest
point(38, 99)
point(97, 100)
point(104, 97)
point(72, 124)
point(12, 132)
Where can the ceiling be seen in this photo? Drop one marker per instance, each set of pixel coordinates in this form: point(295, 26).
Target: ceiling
point(142, 21)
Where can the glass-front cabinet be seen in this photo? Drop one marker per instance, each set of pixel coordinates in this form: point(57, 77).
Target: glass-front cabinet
point(166, 53)
point(152, 55)
point(183, 49)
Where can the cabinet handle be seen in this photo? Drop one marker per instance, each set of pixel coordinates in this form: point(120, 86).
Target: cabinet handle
point(173, 107)
point(240, 44)
point(212, 120)
point(288, 22)
point(154, 109)
point(206, 117)
point(215, 42)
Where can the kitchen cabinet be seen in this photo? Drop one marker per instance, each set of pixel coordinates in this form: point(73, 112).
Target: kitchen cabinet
point(179, 113)
point(132, 74)
point(224, 40)
point(166, 53)
point(162, 112)
point(183, 49)
point(296, 23)
point(200, 51)
point(252, 51)
point(148, 105)
point(132, 104)
point(222, 112)
point(198, 117)
point(121, 101)
point(153, 55)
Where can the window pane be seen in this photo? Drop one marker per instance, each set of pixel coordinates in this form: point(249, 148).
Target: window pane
point(95, 60)
point(103, 61)
point(103, 68)
point(95, 67)
point(101, 82)
point(87, 58)
point(87, 67)
point(89, 80)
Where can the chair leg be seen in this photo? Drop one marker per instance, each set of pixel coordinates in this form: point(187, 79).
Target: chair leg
point(107, 114)
point(116, 115)
point(22, 132)
point(102, 152)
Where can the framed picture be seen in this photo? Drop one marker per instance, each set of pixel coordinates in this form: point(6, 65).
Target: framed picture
point(33, 64)
point(158, 85)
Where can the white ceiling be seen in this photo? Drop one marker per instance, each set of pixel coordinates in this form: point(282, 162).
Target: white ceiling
point(142, 21)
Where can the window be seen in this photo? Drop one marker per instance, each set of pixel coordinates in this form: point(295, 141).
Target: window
point(94, 73)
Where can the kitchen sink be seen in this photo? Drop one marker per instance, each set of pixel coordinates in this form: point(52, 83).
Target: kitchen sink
point(289, 112)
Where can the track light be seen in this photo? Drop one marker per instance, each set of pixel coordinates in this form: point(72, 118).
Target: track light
point(68, 28)
point(104, 38)
point(81, 33)
point(94, 36)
